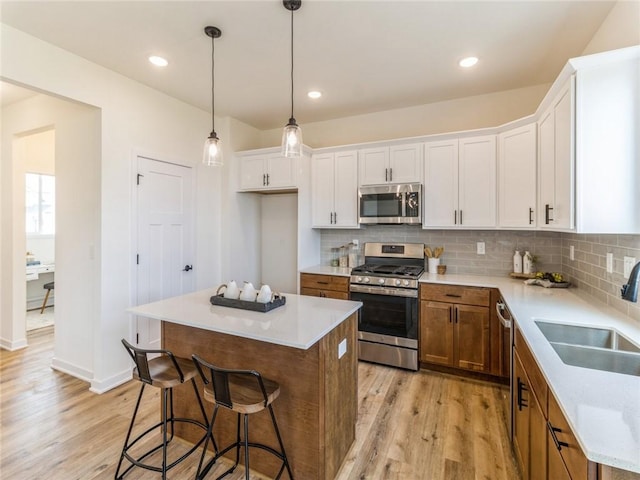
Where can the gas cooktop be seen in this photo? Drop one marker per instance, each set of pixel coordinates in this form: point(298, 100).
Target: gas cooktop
point(404, 271)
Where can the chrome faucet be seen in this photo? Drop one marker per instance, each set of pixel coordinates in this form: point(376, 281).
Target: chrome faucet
point(630, 290)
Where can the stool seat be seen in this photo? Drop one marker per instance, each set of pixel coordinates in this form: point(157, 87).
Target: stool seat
point(164, 374)
point(246, 396)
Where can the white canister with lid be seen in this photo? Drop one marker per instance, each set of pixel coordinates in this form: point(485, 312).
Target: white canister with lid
point(517, 262)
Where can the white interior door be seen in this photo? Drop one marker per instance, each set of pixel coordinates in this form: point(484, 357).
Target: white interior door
point(165, 239)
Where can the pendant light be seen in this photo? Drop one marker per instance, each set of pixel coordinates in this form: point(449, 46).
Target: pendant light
point(212, 149)
point(292, 134)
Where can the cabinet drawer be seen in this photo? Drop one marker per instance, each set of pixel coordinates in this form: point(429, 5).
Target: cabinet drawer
point(572, 455)
point(316, 292)
point(456, 294)
point(324, 282)
point(537, 382)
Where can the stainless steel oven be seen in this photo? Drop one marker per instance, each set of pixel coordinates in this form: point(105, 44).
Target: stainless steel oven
point(387, 286)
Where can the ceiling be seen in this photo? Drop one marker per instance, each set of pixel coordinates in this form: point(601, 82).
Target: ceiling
point(364, 55)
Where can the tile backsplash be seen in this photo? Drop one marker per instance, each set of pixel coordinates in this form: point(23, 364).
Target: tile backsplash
point(460, 246)
point(587, 271)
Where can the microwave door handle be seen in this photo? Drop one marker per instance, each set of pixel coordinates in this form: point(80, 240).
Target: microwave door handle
point(404, 204)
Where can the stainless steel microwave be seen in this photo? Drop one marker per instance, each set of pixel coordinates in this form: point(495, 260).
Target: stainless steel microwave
point(391, 204)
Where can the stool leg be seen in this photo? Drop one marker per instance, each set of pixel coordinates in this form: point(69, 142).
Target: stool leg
point(284, 455)
point(246, 446)
point(200, 474)
point(165, 394)
point(126, 440)
point(44, 304)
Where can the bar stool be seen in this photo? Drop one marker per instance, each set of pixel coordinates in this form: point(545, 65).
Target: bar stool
point(244, 392)
point(48, 287)
point(165, 372)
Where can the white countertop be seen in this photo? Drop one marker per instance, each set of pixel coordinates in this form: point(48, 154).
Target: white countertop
point(300, 323)
point(602, 408)
point(327, 270)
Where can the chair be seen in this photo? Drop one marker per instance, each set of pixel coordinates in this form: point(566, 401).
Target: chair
point(165, 371)
point(48, 287)
point(244, 392)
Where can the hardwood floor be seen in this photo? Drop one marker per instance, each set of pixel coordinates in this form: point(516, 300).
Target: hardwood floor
point(410, 425)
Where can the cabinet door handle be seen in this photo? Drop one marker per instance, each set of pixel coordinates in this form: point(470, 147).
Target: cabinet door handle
point(454, 295)
point(386, 174)
point(264, 180)
point(552, 431)
point(267, 179)
point(520, 400)
point(460, 217)
point(547, 215)
point(455, 217)
point(391, 174)
point(335, 218)
point(530, 215)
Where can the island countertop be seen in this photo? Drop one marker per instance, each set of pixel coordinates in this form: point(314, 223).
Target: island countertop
point(300, 323)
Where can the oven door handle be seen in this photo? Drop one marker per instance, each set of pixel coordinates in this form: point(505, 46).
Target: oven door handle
point(394, 292)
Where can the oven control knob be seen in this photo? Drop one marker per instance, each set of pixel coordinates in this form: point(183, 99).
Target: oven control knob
point(366, 280)
point(405, 283)
point(381, 281)
point(398, 282)
point(359, 279)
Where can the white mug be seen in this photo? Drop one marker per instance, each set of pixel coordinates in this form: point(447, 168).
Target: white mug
point(265, 295)
point(248, 292)
point(231, 290)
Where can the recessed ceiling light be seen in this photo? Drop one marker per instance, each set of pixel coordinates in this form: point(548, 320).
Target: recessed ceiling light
point(314, 94)
point(468, 62)
point(158, 61)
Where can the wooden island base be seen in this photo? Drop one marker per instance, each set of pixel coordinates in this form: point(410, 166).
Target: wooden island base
point(317, 407)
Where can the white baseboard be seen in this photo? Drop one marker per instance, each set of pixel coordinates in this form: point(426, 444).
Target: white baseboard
point(102, 386)
point(12, 345)
point(70, 369)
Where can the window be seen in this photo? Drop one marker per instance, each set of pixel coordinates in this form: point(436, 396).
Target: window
point(40, 204)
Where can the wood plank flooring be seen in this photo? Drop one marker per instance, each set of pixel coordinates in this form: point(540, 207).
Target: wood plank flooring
point(421, 425)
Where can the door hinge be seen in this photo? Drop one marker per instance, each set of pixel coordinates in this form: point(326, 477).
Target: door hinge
point(138, 178)
point(137, 259)
point(137, 338)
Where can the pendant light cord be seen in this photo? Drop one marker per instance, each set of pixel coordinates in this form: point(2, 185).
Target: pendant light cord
point(291, 63)
point(213, 121)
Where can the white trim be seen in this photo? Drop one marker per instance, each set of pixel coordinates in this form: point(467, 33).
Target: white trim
point(102, 386)
point(13, 345)
point(71, 369)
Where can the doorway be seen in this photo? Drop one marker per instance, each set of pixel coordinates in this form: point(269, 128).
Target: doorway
point(38, 156)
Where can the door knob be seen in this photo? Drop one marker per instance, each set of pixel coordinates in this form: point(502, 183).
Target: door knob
point(187, 268)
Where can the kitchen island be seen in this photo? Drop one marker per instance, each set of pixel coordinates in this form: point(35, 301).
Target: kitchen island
point(308, 346)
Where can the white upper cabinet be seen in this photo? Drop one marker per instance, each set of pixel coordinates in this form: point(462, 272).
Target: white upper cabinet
point(477, 181)
point(334, 189)
point(460, 183)
point(270, 171)
point(517, 173)
point(441, 184)
point(556, 162)
point(608, 145)
point(394, 164)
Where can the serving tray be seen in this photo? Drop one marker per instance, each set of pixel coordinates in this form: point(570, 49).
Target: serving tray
point(245, 305)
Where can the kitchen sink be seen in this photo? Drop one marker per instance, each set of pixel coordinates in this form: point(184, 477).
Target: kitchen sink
point(593, 347)
point(586, 336)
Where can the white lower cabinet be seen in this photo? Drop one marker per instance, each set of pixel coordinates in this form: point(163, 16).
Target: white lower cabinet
point(517, 193)
point(460, 183)
point(334, 189)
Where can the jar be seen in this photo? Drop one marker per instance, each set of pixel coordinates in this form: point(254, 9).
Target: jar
point(353, 256)
point(517, 262)
point(344, 258)
point(335, 257)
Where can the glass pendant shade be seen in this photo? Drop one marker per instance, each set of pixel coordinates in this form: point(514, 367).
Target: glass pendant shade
point(212, 151)
point(292, 139)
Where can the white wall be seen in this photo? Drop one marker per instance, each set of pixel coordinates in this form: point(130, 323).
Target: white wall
point(467, 113)
point(134, 119)
point(279, 249)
